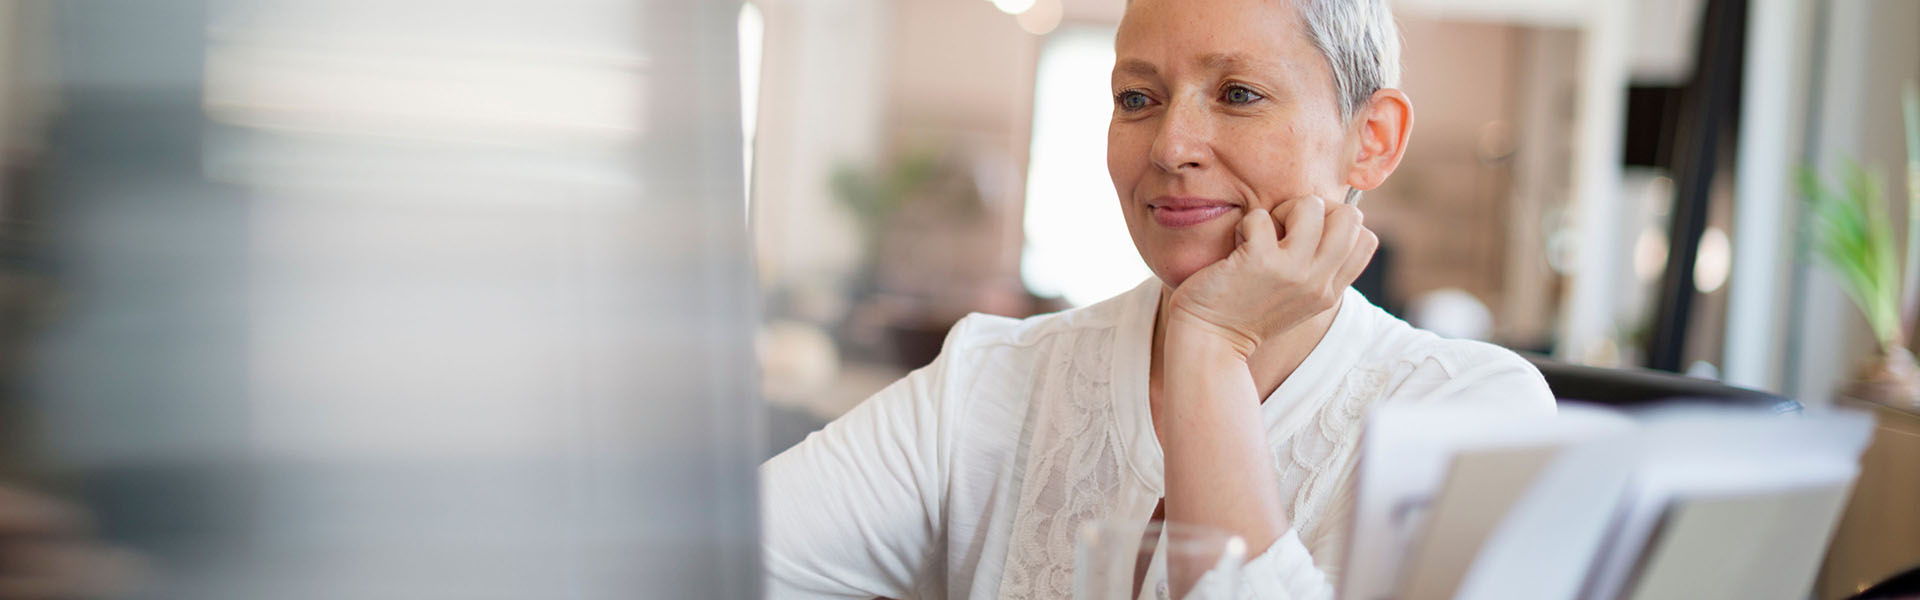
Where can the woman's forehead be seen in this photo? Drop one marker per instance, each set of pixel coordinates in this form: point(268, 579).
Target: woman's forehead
point(1210, 35)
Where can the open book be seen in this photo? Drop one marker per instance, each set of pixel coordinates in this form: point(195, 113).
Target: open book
point(1688, 502)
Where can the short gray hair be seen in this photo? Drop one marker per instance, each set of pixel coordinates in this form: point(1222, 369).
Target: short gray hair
point(1362, 46)
point(1361, 43)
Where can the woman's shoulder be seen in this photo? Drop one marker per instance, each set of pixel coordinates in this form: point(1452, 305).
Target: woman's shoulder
point(1431, 367)
point(981, 331)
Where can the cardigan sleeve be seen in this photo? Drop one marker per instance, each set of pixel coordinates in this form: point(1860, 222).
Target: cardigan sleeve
point(854, 510)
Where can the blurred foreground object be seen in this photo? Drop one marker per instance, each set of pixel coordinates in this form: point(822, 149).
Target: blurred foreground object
point(48, 553)
point(1683, 501)
point(412, 300)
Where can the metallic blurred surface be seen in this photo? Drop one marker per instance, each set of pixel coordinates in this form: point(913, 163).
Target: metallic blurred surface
point(356, 299)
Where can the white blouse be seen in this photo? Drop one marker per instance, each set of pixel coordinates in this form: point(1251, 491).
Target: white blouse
point(969, 477)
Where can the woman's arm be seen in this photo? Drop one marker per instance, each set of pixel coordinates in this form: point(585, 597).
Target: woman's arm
point(853, 510)
point(1219, 470)
point(1276, 292)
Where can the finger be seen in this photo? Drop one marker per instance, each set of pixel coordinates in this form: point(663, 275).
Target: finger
point(1305, 218)
point(1256, 232)
point(1356, 262)
point(1342, 228)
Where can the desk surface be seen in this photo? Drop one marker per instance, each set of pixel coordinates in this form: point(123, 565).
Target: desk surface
point(1879, 534)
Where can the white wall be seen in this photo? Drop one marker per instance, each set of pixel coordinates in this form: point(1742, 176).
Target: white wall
point(822, 103)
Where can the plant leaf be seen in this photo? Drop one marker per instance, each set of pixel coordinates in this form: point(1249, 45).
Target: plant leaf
point(1852, 234)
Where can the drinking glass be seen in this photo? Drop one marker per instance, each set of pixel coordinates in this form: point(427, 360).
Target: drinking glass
point(1156, 560)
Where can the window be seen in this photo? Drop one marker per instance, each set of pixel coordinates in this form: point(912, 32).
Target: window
point(1077, 245)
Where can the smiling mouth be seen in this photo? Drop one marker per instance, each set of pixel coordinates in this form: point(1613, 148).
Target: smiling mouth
point(1179, 213)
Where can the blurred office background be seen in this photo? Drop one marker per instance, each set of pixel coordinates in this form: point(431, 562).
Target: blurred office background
point(1605, 182)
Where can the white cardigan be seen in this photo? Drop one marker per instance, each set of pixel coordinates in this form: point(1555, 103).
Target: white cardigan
point(969, 477)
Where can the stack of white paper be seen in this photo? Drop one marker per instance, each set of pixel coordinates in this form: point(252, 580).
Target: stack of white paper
point(1595, 504)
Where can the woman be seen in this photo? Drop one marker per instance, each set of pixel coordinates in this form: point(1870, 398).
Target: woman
point(1231, 385)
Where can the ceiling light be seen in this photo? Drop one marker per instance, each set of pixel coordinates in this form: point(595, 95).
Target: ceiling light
point(1013, 7)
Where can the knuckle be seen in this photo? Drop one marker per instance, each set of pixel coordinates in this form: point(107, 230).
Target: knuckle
point(1347, 216)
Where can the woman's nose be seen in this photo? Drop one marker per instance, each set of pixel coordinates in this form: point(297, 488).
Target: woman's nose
point(1184, 140)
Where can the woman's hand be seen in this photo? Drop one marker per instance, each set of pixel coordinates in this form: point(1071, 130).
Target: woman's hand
point(1276, 278)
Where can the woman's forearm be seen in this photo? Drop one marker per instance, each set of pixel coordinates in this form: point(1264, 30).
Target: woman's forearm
point(1217, 470)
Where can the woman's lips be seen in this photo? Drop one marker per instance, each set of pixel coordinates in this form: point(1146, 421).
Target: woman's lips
point(1178, 213)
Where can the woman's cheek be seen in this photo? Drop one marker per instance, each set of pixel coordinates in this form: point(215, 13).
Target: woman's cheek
point(1297, 172)
point(1127, 140)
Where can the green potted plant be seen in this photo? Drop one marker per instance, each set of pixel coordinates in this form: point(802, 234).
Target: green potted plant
point(1852, 234)
point(919, 214)
point(873, 196)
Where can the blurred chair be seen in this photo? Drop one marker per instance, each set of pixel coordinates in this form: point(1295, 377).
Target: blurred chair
point(1634, 388)
point(1898, 587)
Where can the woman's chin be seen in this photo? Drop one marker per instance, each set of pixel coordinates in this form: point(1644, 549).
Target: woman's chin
point(1174, 270)
point(1176, 255)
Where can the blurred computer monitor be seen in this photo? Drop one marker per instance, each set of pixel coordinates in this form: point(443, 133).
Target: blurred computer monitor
point(422, 299)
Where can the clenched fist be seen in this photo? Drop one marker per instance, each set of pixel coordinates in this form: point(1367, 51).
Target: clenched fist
point(1277, 276)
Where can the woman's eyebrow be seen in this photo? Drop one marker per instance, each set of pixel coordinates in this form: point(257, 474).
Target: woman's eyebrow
point(1215, 62)
point(1229, 61)
point(1135, 66)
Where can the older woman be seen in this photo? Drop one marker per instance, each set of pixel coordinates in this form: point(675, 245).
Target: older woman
point(1230, 386)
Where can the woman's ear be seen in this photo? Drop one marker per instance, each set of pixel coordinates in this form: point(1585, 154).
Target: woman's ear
point(1383, 126)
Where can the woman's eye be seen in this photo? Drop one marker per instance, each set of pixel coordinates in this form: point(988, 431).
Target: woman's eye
point(1131, 100)
point(1241, 95)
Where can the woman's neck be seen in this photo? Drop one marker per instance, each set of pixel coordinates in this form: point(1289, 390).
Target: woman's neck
point(1272, 361)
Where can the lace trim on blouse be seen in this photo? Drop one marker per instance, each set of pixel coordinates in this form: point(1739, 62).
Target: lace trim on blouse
point(1076, 466)
point(1075, 463)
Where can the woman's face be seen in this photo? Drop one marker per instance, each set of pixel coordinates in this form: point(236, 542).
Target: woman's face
point(1220, 107)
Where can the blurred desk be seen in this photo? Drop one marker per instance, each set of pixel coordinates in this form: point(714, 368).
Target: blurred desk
point(1879, 534)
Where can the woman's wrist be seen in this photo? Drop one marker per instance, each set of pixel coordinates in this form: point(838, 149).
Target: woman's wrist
point(1193, 339)
point(1191, 336)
